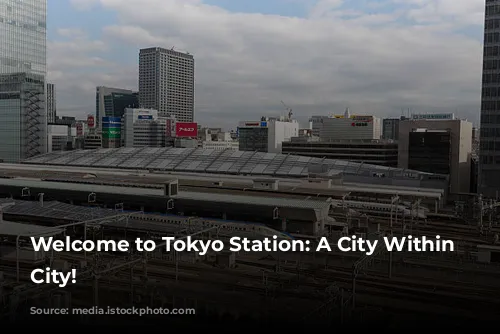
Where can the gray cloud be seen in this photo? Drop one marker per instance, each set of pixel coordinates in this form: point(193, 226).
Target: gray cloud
point(247, 63)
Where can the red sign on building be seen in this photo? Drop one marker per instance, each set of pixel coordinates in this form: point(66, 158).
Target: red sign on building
point(186, 130)
point(90, 121)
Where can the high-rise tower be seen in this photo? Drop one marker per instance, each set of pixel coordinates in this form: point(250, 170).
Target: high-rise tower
point(489, 163)
point(23, 67)
point(166, 82)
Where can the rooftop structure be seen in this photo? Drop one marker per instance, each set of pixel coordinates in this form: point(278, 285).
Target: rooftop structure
point(371, 151)
point(197, 160)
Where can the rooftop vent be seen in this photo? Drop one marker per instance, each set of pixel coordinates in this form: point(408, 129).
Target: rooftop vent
point(171, 188)
point(268, 184)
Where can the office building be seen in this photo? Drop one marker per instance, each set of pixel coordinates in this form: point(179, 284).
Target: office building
point(475, 142)
point(23, 32)
point(92, 141)
point(346, 126)
point(390, 128)
point(266, 135)
point(111, 132)
point(216, 139)
point(489, 160)
point(111, 102)
point(369, 151)
point(23, 66)
point(60, 137)
point(65, 120)
point(438, 146)
point(143, 128)
point(51, 103)
point(166, 82)
point(23, 121)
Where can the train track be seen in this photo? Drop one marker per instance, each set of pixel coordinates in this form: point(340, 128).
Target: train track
point(372, 284)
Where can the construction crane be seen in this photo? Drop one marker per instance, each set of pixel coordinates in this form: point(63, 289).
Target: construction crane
point(288, 109)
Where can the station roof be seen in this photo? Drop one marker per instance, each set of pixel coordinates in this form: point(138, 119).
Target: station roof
point(87, 188)
point(140, 223)
point(256, 200)
point(58, 211)
point(200, 160)
point(24, 230)
point(263, 201)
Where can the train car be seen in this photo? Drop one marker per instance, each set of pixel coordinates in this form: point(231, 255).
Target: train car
point(225, 226)
point(241, 228)
point(383, 209)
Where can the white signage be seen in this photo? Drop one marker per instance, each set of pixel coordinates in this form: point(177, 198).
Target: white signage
point(433, 116)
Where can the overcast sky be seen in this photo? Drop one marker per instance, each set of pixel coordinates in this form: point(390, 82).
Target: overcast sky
point(373, 56)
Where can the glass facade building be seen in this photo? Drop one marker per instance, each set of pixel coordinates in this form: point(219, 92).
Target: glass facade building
point(23, 67)
point(489, 146)
point(23, 36)
point(111, 102)
point(23, 121)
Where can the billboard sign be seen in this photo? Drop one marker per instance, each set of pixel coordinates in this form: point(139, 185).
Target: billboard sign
point(79, 129)
point(252, 124)
point(362, 118)
point(144, 116)
point(433, 116)
point(186, 129)
point(90, 121)
point(111, 133)
point(111, 122)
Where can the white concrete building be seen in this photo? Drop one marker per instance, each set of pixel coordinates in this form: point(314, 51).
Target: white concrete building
point(221, 145)
point(58, 137)
point(166, 82)
point(346, 126)
point(216, 139)
point(266, 135)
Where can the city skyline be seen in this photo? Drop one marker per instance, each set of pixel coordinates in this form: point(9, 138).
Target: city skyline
point(319, 59)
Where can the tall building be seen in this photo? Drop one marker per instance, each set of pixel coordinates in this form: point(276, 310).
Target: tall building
point(51, 103)
point(23, 66)
point(23, 121)
point(166, 82)
point(346, 126)
point(111, 102)
point(438, 146)
point(23, 36)
point(489, 156)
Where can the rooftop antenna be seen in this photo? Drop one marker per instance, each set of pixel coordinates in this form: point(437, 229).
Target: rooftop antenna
point(288, 109)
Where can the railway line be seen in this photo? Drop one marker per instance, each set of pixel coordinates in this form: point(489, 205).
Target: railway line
point(372, 286)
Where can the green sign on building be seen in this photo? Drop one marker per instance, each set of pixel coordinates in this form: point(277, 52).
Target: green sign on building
point(111, 133)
